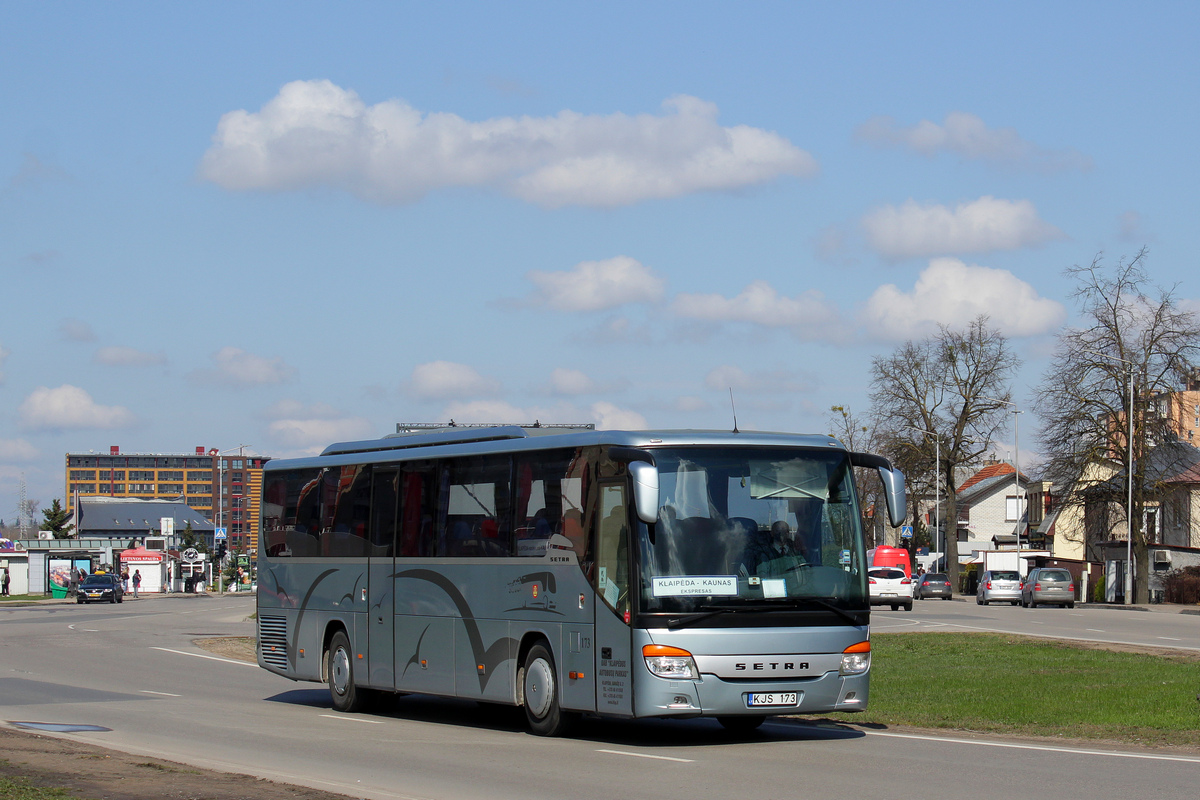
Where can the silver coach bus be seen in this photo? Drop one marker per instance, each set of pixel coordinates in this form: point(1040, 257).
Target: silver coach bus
point(622, 573)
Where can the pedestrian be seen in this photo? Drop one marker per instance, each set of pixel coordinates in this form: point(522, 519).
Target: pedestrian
point(124, 579)
point(4, 583)
point(168, 579)
point(137, 582)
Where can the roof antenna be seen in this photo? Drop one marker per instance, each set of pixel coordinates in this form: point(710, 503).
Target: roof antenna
point(734, 407)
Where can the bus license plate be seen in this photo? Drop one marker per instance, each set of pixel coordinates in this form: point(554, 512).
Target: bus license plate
point(758, 699)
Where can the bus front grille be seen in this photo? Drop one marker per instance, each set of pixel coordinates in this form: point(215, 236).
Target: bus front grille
point(272, 640)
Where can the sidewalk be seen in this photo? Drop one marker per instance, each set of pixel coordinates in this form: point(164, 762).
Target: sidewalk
point(129, 598)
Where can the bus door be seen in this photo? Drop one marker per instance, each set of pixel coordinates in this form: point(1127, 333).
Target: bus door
point(381, 615)
point(611, 579)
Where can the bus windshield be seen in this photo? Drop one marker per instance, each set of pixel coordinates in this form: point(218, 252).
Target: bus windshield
point(752, 527)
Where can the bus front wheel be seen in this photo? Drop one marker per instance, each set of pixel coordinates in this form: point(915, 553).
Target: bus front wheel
point(340, 668)
point(539, 689)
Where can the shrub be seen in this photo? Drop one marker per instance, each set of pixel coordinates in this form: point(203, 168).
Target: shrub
point(1182, 585)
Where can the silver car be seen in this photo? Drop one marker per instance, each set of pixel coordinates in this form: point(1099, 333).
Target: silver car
point(1003, 585)
point(1048, 586)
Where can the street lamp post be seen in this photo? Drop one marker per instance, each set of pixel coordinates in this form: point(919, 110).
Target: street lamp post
point(1017, 469)
point(937, 483)
point(220, 515)
point(1129, 482)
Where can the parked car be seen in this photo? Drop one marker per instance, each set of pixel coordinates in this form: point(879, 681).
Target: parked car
point(933, 584)
point(1048, 586)
point(890, 586)
point(1002, 585)
point(100, 588)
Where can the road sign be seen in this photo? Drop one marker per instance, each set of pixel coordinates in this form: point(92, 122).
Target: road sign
point(906, 531)
point(220, 533)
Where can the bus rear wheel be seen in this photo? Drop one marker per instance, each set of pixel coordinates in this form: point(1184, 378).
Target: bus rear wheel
point(539, 691)
point(339, 668)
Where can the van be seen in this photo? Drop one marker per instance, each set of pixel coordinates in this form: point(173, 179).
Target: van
point(885, 556)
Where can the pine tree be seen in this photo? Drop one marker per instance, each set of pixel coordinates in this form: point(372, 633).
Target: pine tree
point(57, 520)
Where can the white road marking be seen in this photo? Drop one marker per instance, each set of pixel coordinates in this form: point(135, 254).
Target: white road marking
point(164, 694)
point(344, 718)
point(1170, 638)
point(1042, 747)
point(202, 655)
point(1093, 630)
point(646, 755)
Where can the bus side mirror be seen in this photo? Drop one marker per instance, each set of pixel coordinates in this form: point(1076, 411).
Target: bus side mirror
point(894, 494)
point(645, 490)
point(893, 484)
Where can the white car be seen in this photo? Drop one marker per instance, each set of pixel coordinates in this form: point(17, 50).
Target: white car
point(889, 586)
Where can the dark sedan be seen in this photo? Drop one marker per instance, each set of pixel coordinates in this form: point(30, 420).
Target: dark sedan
point(933, 584)
point(100, 588)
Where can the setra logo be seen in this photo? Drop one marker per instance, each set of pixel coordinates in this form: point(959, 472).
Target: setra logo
point(769, 666)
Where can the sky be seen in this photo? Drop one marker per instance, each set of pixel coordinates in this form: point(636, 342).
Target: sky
point(282, 225)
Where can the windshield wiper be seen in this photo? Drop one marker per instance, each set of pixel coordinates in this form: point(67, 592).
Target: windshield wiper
point(823, 602)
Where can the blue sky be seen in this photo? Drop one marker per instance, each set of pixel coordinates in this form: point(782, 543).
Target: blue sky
point(287, 224)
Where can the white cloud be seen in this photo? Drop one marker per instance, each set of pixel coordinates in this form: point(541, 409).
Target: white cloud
point(17, 451)
point(969, 137)
point(570, 382)
point(443, 380)
point(319, 433)
point(983, 225)
point(1131, 227)
point(731, 376)
point(69, 407)
point(597, 285)
point(76, 330)
point(809, 315)
point(493, 411)
point(236, 367)
point(310, 429)
point(949, 292)
point(610, 417)
point(317, 134)
point(129, 357)
point(603, 414)
point(688, 404)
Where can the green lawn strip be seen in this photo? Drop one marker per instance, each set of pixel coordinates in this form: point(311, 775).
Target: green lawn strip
point(996, 683)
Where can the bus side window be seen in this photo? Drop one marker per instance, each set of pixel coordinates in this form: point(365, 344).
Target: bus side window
point(385, 496)
point(612, 549)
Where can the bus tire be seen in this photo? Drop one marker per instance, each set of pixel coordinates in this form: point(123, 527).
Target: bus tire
point(741, 726)
point(539, 693)
point(339, 668)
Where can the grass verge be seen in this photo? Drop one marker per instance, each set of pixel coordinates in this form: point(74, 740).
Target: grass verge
point(995, 683)
point(21, 789)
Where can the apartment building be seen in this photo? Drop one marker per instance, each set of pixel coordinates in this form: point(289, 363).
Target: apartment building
point(221, 486)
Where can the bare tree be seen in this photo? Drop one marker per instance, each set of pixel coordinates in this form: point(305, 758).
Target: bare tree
point(1131, 331)
point(859, 436)
point(955, 386)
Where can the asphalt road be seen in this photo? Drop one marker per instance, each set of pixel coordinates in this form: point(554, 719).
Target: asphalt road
point(133, 668)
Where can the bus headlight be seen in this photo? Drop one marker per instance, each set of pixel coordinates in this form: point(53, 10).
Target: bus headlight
point(670, 662)
point(856, 659)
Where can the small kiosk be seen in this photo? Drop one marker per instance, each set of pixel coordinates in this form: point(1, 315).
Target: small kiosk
point(151, 563)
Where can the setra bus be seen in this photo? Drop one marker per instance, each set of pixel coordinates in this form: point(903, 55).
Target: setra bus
point(623, 573)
